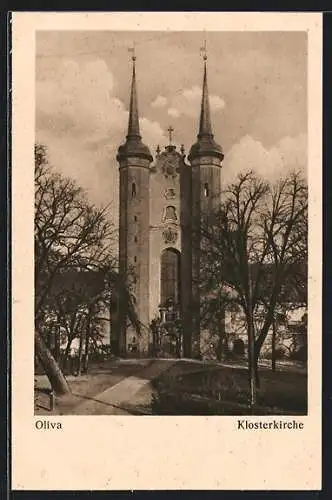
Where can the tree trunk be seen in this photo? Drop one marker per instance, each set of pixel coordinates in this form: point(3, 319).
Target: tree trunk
point(57, 344)
point(273, 347)
point(80, 354)
point(256, 373)
point(87, 338)
point(260, 341)
point(86, 361)
point(252, 362)
point(51, 367)
point(66, 354)
point(224, 351)
point(153, 329)
point(49, 339)
point(267, 323)
point(86, 353)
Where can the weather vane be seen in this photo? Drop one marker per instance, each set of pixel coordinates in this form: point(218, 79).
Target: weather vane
point(132, 50)
point(203, 49)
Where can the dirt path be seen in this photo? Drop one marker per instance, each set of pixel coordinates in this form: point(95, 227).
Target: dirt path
point(116, 399)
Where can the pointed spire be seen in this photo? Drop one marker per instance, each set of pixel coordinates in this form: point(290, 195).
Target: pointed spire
point(133, 122)
point(205, 128)
point(133, 147)
point(205, 144)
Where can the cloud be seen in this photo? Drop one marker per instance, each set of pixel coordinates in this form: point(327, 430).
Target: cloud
point(159, 102)
point(95, 170)
point(82, 123)
point(192, 94)
point(79, 100)
point(188, 102)
point(151, 132)
point(175, 113)
point(250, 154)
point(216, 103)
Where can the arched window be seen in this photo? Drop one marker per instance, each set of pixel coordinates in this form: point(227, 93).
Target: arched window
point(170, 276)
point(170, 213)
point(206, 190)
point(133, 190)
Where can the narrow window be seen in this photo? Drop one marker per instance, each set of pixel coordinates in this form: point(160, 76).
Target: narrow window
point(170, 213)
point(206, 190)
point(170, 277)
point(133, 190)
point(135, 259)
point(135, 218)
point(135, 239)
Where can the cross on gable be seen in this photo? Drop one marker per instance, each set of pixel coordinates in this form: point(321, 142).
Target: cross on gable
point(170, 130)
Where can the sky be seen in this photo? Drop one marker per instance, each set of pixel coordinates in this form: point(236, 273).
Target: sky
point(258, 96)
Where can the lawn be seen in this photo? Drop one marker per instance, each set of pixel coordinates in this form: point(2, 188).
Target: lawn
point(223, 390)
point(188, 387)
point(100, 377)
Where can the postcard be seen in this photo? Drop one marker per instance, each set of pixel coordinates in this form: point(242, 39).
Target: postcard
point(166, 251)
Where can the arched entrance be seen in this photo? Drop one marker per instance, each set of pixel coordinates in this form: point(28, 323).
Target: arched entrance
point(170, 276)
point(169, 337)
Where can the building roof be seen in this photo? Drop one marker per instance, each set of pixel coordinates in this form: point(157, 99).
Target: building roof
point(93, 282)
point(133, 145)
point(205, 144)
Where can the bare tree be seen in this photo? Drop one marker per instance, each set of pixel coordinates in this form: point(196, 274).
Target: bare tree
point(257, 250)
point(284, 225)
point(70, 233)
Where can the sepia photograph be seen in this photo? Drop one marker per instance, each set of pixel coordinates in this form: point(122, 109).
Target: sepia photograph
point(171, 223)
point(166, 251)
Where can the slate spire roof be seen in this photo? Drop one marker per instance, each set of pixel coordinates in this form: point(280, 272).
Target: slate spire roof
point(134, 145)
point(205, 144)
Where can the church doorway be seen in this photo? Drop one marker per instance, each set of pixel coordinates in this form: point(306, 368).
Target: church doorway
point(169, 335)
point(170, 276)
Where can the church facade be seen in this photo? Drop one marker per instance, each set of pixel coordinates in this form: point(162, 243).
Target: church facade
point(162, 201)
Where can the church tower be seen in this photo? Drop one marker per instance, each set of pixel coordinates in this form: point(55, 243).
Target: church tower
point(205, 158)
point(134, 160)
